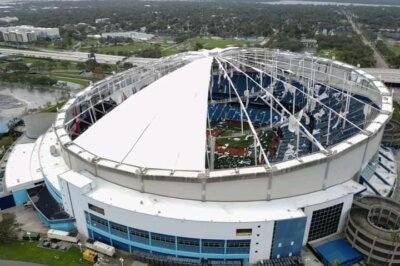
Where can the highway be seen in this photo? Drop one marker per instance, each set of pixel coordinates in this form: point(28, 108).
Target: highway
point(380, 61)
point(387, 75)
point(75, 56)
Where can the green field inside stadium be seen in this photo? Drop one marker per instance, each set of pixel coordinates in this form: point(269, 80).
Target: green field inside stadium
point(234, 148)
point(30, 252)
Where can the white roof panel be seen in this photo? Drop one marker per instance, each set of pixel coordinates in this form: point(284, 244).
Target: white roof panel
point(22, 167)
point(162, 126)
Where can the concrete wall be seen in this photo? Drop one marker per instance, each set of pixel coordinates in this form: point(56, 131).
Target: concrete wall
point(37, 124)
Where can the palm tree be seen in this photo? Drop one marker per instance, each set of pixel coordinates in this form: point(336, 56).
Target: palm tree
point(335, 262)
point(395, 237)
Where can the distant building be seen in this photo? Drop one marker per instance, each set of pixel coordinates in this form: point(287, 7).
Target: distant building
point(27, 34)
point(8, 19)
point(102, 20)
point(309, 43)
point(134, 35)
point(19, 36)
point(94, 36)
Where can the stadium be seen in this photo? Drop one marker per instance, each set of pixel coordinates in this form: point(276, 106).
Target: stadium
point(237, 154)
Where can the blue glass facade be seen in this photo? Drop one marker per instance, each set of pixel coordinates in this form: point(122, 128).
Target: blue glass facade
point(130, 239)
point(288, 238)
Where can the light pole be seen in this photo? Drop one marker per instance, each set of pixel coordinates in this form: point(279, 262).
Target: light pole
point(80, 246)
point(122, 261)
point(29, 235)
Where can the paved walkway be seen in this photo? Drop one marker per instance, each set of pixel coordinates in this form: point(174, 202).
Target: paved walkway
point(28, 219)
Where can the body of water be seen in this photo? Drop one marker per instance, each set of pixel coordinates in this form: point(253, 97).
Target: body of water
point(16, 99)
point(319, 3)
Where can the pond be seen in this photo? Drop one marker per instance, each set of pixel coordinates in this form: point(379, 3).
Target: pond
point(17, 99)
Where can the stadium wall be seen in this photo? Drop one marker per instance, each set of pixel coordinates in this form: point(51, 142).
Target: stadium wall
point(296, 177)
point(76, 200)
point(37, 124)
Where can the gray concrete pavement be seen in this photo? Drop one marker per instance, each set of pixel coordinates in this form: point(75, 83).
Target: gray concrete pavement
point(27, 217)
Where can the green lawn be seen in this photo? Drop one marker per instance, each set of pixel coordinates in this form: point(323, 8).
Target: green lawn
point(328, 53)
point(29, 251)
point(44, 63)
point(396, 112)
point(83, 82)
point(209, 43)
point(53, 108)
point(129, 48)
point(237, 142)
point(169, 50)
point(395, 49)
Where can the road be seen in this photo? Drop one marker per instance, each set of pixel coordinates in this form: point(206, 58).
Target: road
point(380, 61)
point(75, 56)
point(387, 75)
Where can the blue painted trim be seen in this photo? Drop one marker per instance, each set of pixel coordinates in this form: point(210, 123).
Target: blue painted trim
point(172, 252)
point(20, 197)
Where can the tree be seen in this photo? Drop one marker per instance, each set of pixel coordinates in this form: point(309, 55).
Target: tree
point(198, 46)
point(18, 67)
point(65, 64)
point(335, 262)
point(152, 52)
point(395, 237)
point(81, 66)
point(127, 65)
point(12, 124)
point(51, 65)
point(8, 228)
point(91, 64)
point(38, 65)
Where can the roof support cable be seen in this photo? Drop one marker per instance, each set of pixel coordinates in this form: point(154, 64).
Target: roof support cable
point(256, 58)
point(308, 135)
point(318, 101)
point(257, 141)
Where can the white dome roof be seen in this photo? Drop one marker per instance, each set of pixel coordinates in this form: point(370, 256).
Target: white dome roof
point(162, 126)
